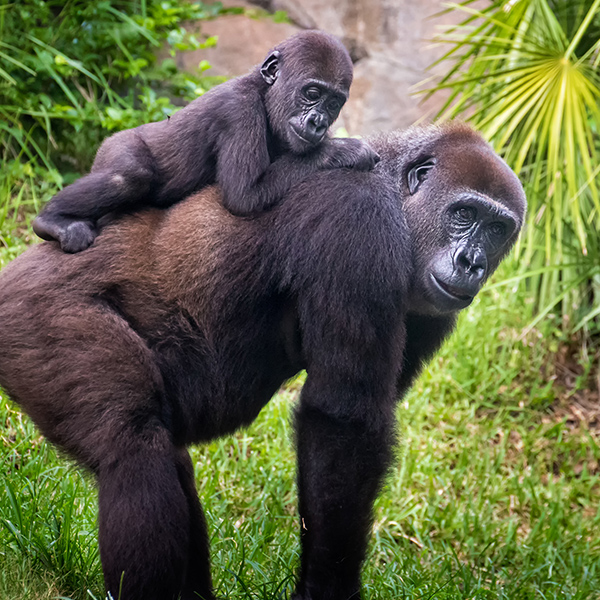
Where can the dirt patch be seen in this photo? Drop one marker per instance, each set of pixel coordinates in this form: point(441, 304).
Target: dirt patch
point(577, 381)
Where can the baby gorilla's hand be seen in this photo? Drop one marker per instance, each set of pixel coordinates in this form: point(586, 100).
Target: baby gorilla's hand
point(350, 153)
point(73, 236)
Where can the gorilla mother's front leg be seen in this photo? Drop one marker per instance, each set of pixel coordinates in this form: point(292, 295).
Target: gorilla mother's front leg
point(342, 459)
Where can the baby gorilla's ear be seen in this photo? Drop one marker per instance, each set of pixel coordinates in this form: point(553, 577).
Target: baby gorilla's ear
point(270, 68)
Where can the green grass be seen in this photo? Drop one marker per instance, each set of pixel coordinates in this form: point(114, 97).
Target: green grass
point(494, 494)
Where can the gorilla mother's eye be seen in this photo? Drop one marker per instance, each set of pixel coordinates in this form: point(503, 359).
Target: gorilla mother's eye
point(418, 174)
point(465, 215)
point(498, 229)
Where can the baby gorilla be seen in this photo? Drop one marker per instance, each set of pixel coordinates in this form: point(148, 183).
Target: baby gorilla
point(256, 136)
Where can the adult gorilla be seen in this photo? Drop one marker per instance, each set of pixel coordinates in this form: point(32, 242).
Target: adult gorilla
point(178, 326)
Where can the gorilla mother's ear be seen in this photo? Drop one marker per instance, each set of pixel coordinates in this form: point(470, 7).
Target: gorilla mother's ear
point(417, 174)
point(270, 68)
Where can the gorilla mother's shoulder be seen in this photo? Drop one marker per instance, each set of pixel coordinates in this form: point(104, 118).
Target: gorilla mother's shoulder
point(178, 326)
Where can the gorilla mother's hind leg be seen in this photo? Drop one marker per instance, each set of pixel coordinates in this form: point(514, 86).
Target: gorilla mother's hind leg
point(108, 409)
point(144, 516)
point(197, 583)
point(153, 539)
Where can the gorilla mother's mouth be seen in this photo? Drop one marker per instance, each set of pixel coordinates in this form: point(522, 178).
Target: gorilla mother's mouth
point(451, 290)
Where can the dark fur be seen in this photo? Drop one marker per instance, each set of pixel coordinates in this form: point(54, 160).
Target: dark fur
point(242, 135)
point(178, 326)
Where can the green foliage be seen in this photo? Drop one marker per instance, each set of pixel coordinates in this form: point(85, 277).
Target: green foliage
point(525, 72)
point(494, 494)
point(72, 72)
point(66, 65)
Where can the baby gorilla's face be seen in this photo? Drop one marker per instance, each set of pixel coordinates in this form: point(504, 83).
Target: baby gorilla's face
point(301, 110)
point(317, 106)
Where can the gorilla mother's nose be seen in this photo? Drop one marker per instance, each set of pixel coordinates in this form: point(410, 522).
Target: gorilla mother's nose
point(471, 260)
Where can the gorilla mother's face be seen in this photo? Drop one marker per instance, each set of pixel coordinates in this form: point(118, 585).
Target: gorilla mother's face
point(463, 219)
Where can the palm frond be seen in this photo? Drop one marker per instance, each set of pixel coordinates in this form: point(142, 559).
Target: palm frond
point(525, 73)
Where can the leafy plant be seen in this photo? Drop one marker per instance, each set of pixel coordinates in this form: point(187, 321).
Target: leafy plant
point(70, 72)
point(525, 73)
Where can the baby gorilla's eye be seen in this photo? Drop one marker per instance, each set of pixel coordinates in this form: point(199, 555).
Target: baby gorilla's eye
point(334, 105)
point(313, 93)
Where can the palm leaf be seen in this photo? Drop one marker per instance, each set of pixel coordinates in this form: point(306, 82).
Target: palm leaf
point(514, 72)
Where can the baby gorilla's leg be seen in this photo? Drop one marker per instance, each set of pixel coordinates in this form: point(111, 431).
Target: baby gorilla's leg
point(122, 182)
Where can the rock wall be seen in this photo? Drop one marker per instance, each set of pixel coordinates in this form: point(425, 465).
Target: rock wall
point(389, 41)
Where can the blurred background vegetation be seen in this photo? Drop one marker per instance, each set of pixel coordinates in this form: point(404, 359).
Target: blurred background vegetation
point(496, 491)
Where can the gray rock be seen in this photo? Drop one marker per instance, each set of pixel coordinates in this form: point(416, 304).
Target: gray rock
point(389, 41)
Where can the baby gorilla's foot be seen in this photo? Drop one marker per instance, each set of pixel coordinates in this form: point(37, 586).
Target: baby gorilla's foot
point(77, 236)
point(73, 236)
